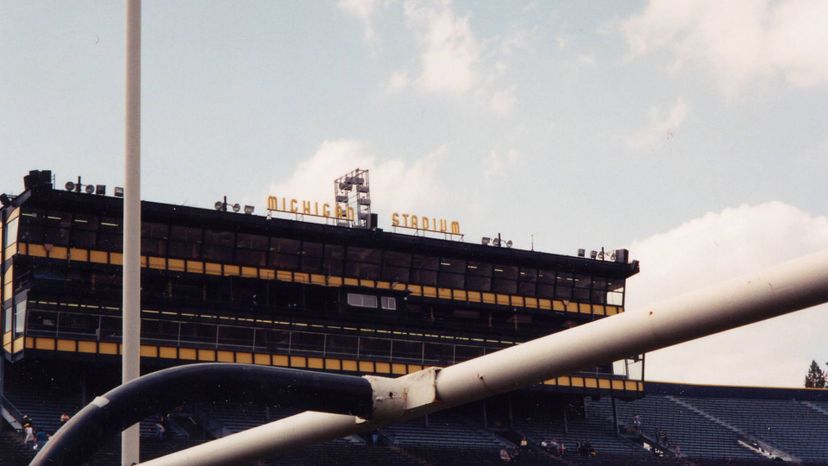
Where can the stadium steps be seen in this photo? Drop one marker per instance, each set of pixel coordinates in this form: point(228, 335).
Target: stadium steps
point(14, 453)
point(704, 414)
point(788, 426)
point(695, 435)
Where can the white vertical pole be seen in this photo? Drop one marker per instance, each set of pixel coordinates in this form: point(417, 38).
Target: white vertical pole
point(131, 306)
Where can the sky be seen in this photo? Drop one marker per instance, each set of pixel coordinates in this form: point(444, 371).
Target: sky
point(691, 132)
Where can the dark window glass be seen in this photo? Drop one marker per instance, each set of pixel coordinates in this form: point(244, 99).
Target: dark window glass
point(218, 246)
point(395, 274)
point(563, 286)
point(274, 340)
point(504, 286)
point(478, 276)
point(238, 336)
point(219, 238)
point(424, 277)
point(362, 270)
point(248, 241)
point(526, 288)
point(463, 353)
point(450, 280)
point(52, 234)
point(307, 342)
point(341, 345)
point(334, 258)
point(310, 249)
point(153, 239)
point(439, 354)
point(373, 348)
point(198, 333)
point(508, 272)
point(452, 265)
point(251, 257)
point(424, 262)
point(369, 255)
point(284, 253)
point(110, 235)
point(408, 351)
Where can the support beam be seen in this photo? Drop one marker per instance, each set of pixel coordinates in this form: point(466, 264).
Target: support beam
point(131, 301)
point(786, 288)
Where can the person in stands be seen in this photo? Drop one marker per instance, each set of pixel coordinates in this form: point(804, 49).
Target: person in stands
point(64, 418)
point(29, 439)
point(42, 438)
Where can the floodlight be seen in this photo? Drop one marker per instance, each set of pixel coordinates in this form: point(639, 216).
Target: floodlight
point(581, 252)
point(70, 186)
point(119, 191)
point(248, 209)
point(219, 205)
point(593, 254)
point(496, 242)
point(236, 207)
point(509, 244)
point(485, 240)
point(100, 189)
point(89, 189)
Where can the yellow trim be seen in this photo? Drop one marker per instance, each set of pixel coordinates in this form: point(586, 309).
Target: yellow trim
point(45, 344)
point(398, 369)
point(334, 281)
point(212, 268)
point(301, 277)
point(195, 266)
point(284, 276)
point(444, 293)
point(351, 281)
point(29, 342)
point(267, 274)
point(558, 305)
point(430, 292)
point(78, 254)
point(87, 347)
point(7, 338)
point(617, 384)
point(333, 364)
point(316, 363)
point(107, 348)
point(281, 360)
point(149, 351)
point(116, 258)
point(249, 272)
point(37, 250)
point(502, 299)
point(226, 356)
point(59, 252)
point(206, 355)
point(231, 270)
point(474, 296)
point(349, 365)
point(545, 304)
point(460, 295)
point(367, 283)
point(604, 384)
point(167, 352)
point(318, 279)
point(157, 263)
point(382, 367)
point(298, 361)
point(630, 385)
point(187, 354)
point(244, 357)
point(383, 285)
point(261, 359)
point(176, 265)
point(366, 366)
point(67, 345)
point(591, 383)
point(563, 380)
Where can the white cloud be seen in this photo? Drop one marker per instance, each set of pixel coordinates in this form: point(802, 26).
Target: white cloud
point(364, 11)
point(395, 183)
point(498, 164)
point(397, 82)
point(738, 42)
point(503, 101)
point(722, 245)
point(661, 128)
point(449, 49)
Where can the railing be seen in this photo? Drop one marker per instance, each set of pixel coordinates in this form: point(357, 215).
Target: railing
point(10, 413)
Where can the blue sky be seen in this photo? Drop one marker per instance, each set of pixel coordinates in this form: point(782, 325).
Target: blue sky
point(690, 131)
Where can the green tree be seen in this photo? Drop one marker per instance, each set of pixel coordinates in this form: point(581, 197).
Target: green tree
point(815, 377)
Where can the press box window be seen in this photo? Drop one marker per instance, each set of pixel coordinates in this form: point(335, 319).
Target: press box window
point(388, 302)
point(362, 300)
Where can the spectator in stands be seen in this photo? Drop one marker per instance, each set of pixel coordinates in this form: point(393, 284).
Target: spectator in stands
point(524, 444)
point(553, 446)
point(662, 438)
point(29, 430)
point(636, 421)
point(42, 438)
point(27, 421)
point(159, 431)
point(64, 418)
point(505, 456)
point(585, 449)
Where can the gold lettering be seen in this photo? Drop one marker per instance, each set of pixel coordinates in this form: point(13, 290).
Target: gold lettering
point(414, 222)
point(425, 223)
point(315, 208)
point(338, 212)
point(405, 220)
point(293, 206)
point(272, 203)
point(455, 228)
point(351, 214)
point(443, 225)
point(395, 219)
point(326, 210)
point(306, 207)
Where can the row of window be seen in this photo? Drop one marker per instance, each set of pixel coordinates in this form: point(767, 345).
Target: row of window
point(162, 240)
